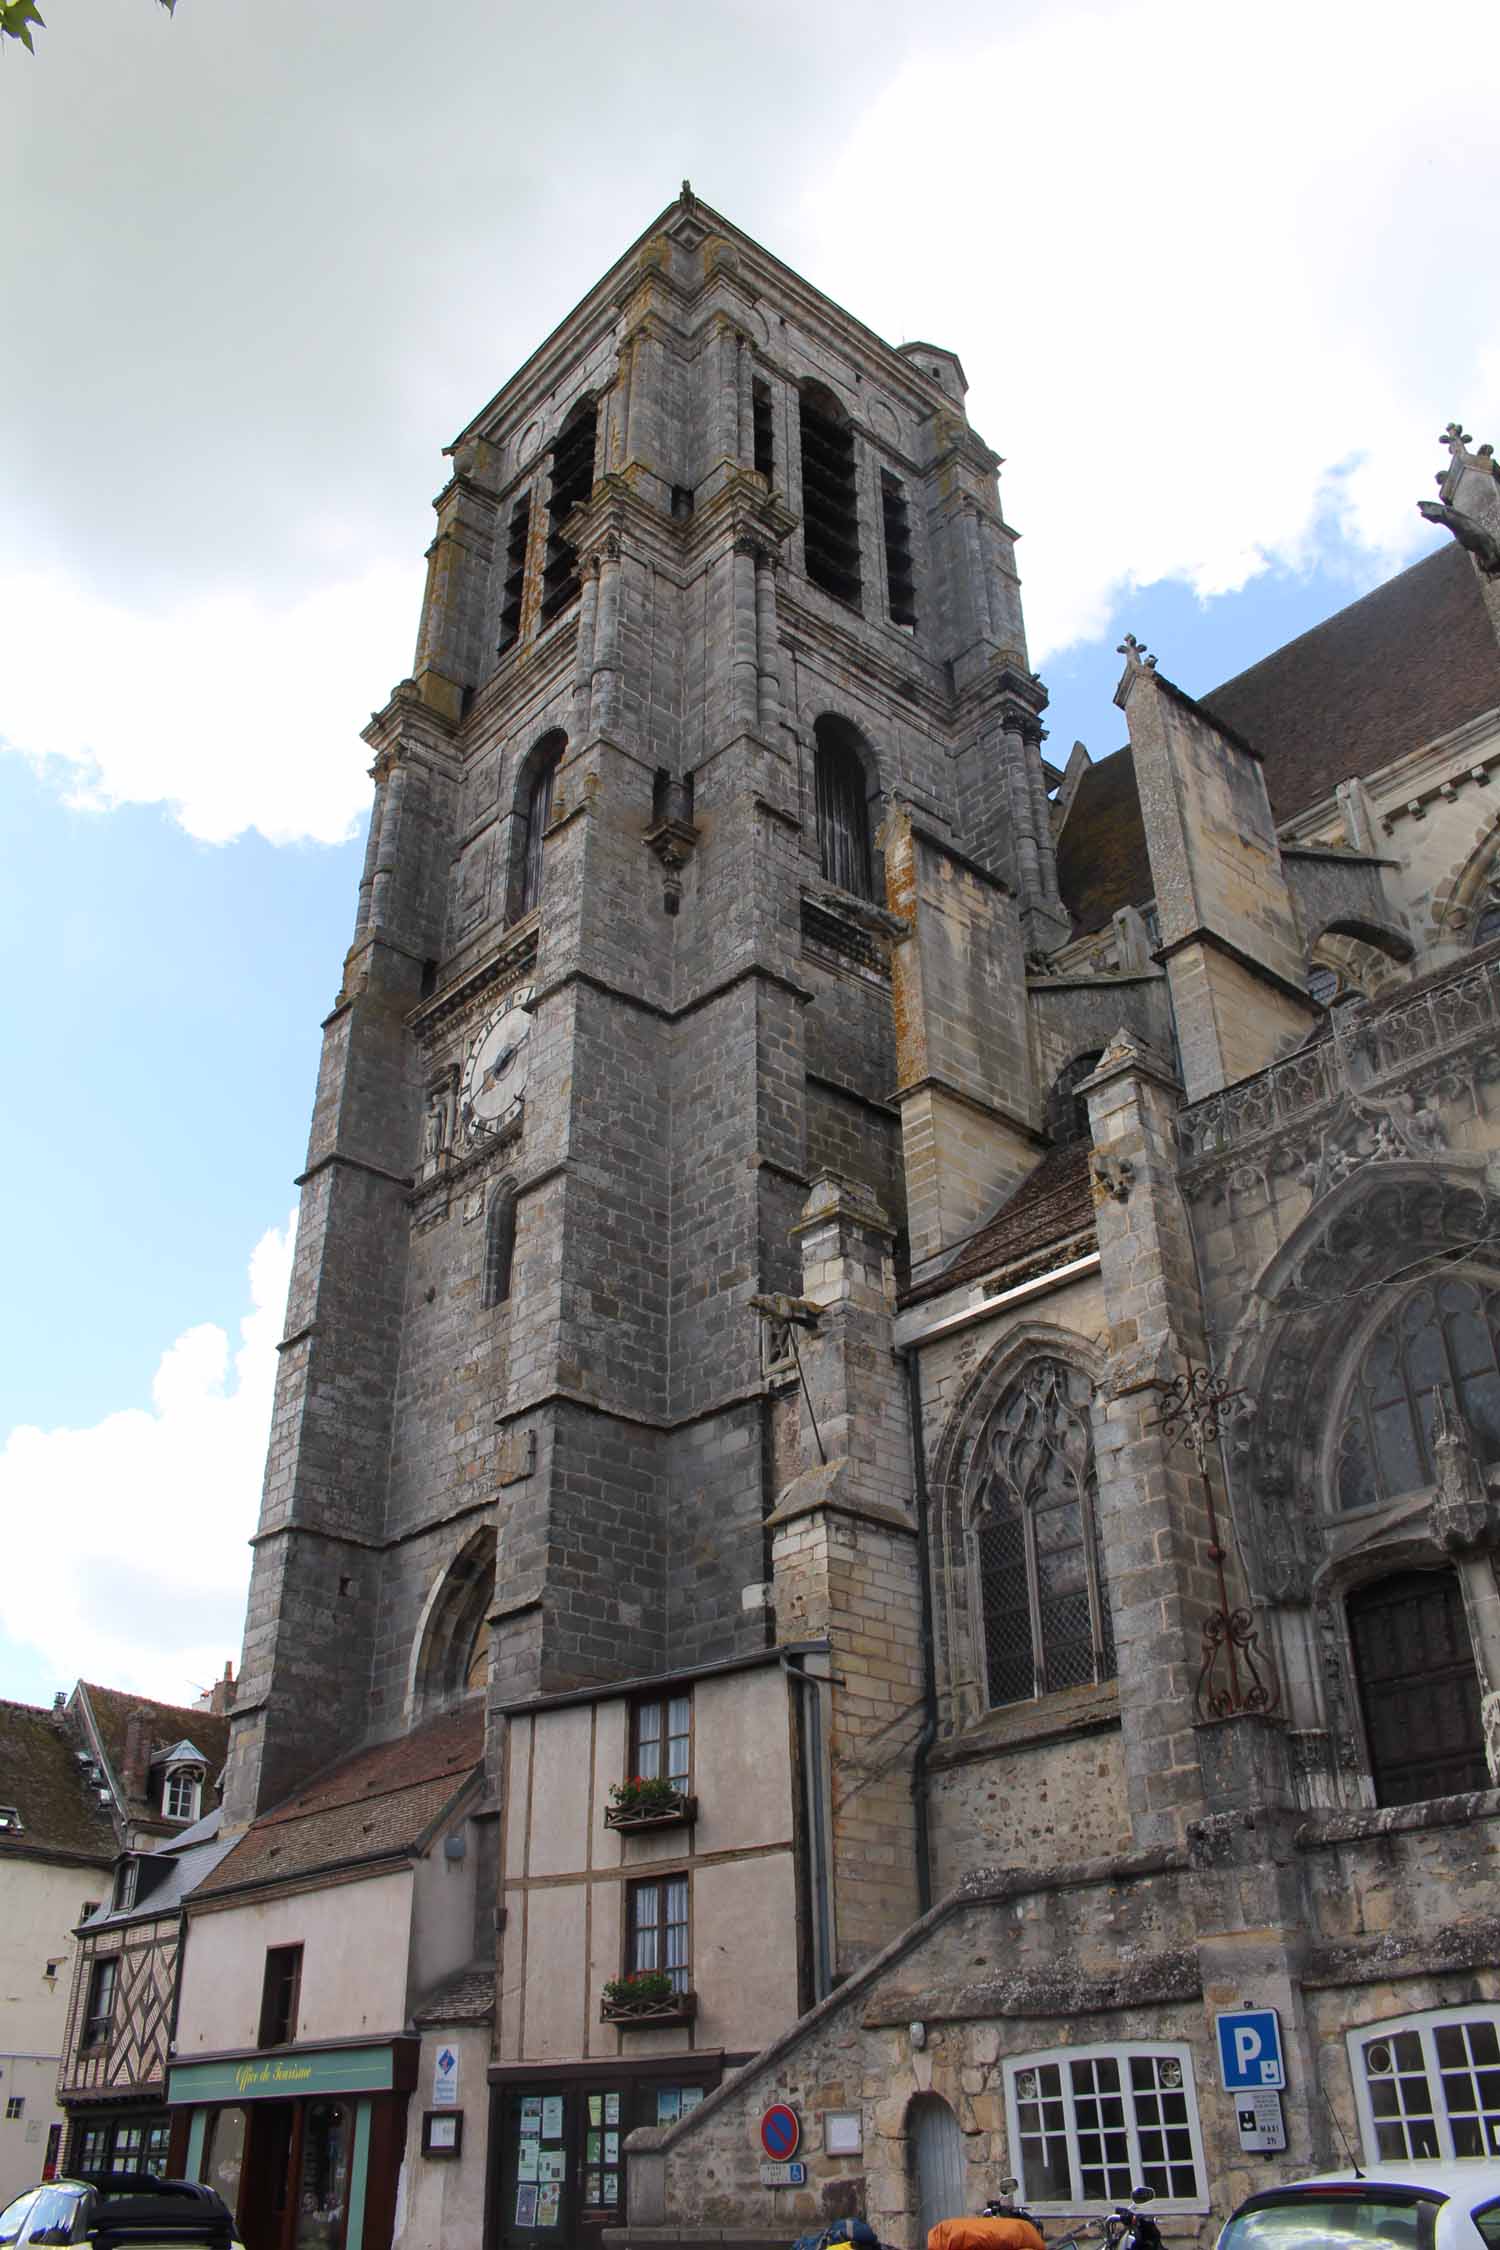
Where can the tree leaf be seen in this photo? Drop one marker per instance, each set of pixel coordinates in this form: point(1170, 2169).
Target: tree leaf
point(16, 19)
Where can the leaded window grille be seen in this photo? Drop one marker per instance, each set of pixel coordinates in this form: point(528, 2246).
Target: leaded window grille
point(1427, 2087)
point(1089, 2124)
point(1043, 1602)
point(842, 792)
point(1444, 1335)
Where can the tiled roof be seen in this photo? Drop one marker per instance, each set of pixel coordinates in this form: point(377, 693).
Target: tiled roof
point(41, 1778)
point(169, 1724)
point(168, 1873)
point(1396, 669)
point(382, 1800)
point(1040, 1225)
point(468, 1997)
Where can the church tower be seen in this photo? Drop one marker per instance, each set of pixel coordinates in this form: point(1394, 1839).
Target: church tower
point(633, 1099)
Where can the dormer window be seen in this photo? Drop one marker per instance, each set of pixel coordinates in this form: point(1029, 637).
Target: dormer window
point(183, 1794)
point(11, 1822)
point(127, 1880)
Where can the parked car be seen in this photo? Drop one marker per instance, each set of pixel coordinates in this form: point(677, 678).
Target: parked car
point(118, 2211)
point(1392, 2207)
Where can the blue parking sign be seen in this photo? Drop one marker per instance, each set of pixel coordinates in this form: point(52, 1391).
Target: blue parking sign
point(1249, 2049)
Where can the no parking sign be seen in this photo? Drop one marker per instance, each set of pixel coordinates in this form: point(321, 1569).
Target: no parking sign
point(780, 2132)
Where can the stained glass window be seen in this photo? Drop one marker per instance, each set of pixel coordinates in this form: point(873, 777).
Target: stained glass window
point(1443, 1334)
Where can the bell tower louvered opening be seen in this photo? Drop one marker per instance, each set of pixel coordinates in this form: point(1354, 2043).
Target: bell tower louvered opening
point(514, 583)
point(900, 581)
point(830, 501)
point(572, 482)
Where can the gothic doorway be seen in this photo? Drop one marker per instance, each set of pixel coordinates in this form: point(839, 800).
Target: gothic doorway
point(1418, 1686)
point(937, 2155)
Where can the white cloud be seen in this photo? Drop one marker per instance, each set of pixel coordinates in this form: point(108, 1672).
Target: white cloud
point(1215, 276)
point(123, 1552)
point(234, 712)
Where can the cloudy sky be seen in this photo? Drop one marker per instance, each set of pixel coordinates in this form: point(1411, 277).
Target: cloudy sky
point(1218, 276)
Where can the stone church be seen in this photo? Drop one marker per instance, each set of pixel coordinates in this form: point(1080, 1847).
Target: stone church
point(905, 1334)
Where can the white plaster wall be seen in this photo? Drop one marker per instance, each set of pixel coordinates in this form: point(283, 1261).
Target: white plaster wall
point(553, 1999)
point(560, 1810)
point(39, 1905)
point(356, 1946)
point(745, 1950)
point(443, 1912)
point(23, 2139)
point(441, 2199)
point(742, 1770)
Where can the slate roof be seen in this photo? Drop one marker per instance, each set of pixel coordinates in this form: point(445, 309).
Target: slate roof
point(41, 1777)
point(1396, 669)
point(468, 1997)
point(1049, 1218)
point(169, 1872)
point(382, 1801)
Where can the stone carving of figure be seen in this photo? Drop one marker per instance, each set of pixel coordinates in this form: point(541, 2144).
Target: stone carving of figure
point(434, 1128)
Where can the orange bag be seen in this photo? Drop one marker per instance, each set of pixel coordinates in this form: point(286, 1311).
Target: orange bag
point(984, 2234)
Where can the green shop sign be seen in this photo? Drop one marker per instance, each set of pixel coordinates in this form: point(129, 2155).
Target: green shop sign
point(283, 2077)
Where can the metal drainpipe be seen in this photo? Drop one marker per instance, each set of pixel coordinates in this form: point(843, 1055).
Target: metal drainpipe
point(928, 1734)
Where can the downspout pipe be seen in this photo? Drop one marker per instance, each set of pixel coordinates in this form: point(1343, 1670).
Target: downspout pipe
point(928, 1735)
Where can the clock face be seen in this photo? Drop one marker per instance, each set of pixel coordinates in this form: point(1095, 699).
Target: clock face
point(495, 1067)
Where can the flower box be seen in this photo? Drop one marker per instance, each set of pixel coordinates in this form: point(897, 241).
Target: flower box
point(628, 2009)
point(672, 1808)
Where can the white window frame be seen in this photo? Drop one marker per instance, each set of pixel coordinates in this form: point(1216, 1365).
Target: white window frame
point(1425, 2023)
point(1121, 2052)
point(180, 1777)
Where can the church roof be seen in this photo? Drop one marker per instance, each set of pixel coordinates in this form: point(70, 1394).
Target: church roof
point(1403, 665)
point(1048, 1219)
point(382, 1801)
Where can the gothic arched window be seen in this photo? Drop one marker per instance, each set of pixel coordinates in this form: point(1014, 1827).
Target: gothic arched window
point(842, 790)
point(1445, 1334)
point(1043, 1603)
point(453, 1652)
point(532, 814)
point(500, 1243)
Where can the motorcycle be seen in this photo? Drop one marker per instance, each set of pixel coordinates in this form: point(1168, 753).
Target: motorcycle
point(1126, 2227)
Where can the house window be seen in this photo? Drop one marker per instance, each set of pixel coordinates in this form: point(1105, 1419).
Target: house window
point(1418, 1686)
point(572, 482)
point(127, 1881)
point(101, 2007)
point(10, 1819)
point(1042, 1601)
point(658, 1928)
point(661, 1740)
point(181, 1801)
point(279, 1995)
point(534, 813)
point(830, 505)
point(1428, 2086)
point(15, 2105)
point(1089, 2124)
point(93, 2149)
point(1443, 1336)
point(842, 792)
point(499, 1243)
